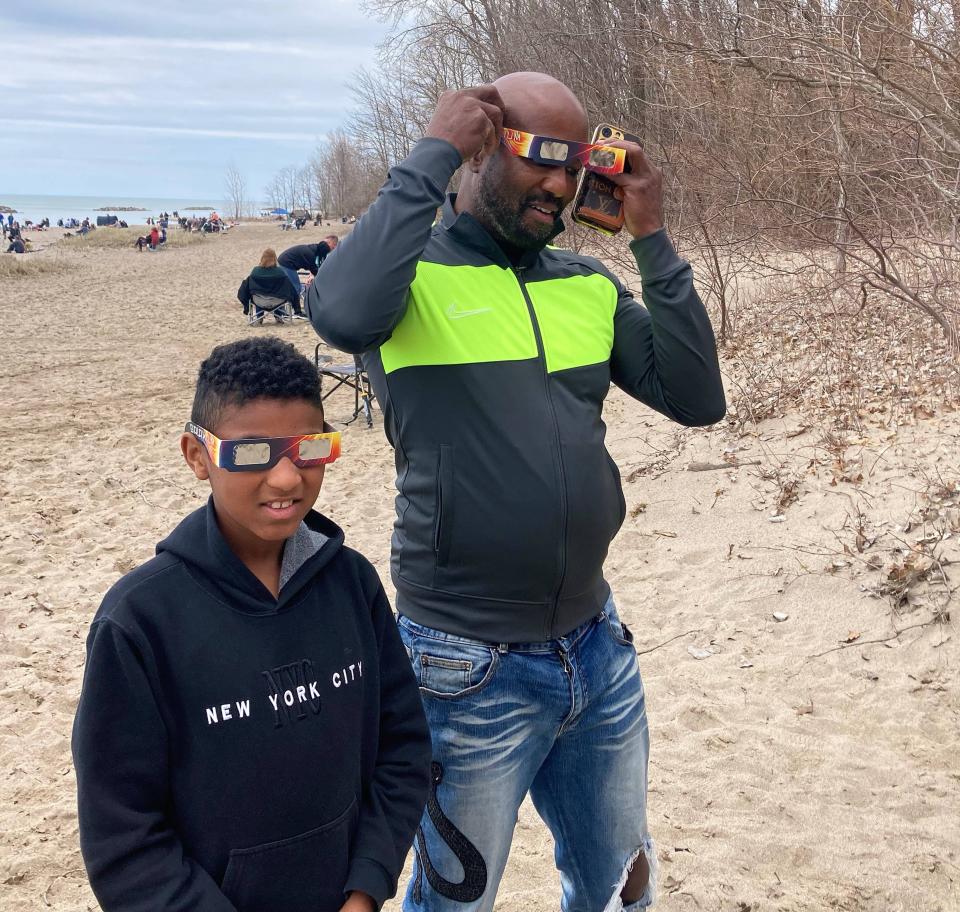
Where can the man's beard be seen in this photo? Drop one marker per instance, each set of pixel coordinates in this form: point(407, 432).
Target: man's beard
point(504, 217)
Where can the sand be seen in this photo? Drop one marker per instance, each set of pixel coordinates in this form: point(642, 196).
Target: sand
point(782, 778)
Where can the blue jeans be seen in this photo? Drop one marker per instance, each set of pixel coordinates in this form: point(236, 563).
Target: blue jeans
point(294, 278)
point(564, 720)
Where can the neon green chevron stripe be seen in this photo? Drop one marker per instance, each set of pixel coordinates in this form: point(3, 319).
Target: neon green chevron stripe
point(461, 315)
point(576, 319)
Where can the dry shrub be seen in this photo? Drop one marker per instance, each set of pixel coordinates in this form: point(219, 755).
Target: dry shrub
point(915, 576)
point(19, 265)
point(127, 237)
point(815, 348)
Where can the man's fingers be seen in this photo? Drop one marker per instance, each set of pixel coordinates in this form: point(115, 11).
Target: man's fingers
point(639, 164)
point(495, 114)
point(469, 119)
point(487, 93)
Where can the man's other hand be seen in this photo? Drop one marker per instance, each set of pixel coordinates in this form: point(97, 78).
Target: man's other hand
point(469, 119)
point(359, 902)
point(641, 192)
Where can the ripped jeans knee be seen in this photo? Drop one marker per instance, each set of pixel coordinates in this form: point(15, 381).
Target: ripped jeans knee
point(646, 900)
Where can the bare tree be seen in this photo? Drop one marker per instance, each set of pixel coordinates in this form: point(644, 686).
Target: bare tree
point(346, 174)
point(284, 191)
point(822, 131)
point(236, 189)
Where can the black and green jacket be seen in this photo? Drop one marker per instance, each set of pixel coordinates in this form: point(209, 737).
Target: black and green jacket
point(492, 377)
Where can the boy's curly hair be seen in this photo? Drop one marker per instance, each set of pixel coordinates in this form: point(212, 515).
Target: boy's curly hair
point(257, 368)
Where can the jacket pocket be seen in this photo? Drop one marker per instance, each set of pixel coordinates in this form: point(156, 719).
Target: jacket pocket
point(304, 873)
point(618, 487)
point(443, 530)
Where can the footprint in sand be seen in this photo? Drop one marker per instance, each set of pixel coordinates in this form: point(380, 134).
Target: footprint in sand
point(698, 720)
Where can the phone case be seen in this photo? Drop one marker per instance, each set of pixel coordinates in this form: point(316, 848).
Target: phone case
point(595, 205)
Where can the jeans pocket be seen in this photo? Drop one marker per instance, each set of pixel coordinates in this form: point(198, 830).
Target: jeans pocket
point(448, 668)
point(618, 630)
point(304, 873)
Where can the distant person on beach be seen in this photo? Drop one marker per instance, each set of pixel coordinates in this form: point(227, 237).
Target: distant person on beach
point(308, 257)
point(17, 245)
point(249, 736)
point(154, 237)
point(270, 280)
point(492, 353)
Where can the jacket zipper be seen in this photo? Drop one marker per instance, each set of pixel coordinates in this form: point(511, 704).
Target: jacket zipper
point(518, 273)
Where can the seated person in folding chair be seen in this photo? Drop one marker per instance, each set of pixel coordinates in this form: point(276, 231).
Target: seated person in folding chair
point(267, 288)
point(305, 256)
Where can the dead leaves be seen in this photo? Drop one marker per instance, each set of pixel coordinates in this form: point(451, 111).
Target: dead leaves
point(795, 354)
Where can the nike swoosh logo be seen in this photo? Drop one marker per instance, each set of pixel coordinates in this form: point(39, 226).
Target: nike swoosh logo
point(455, 314)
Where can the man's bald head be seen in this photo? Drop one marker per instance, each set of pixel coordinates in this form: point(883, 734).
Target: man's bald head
point(538, 103)
point(516, 200)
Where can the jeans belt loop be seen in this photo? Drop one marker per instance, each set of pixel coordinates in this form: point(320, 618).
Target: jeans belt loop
point(503, 648)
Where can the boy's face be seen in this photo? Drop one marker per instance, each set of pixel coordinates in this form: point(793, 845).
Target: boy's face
point(256, 508)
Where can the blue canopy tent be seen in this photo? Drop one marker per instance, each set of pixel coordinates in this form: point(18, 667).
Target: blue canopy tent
point(279, 212)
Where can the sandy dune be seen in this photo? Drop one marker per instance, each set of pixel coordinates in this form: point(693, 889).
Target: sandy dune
point(782, 778)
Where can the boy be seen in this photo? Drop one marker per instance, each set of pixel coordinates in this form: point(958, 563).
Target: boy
point(250, 736)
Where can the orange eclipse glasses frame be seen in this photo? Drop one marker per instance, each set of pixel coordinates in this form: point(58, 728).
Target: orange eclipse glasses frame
point(256, 454)
point(546, 150)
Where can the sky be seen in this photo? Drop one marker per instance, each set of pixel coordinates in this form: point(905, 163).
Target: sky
point(158, 99)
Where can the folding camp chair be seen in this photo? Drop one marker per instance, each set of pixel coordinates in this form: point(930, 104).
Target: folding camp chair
point(278, 307)
point(349, 375)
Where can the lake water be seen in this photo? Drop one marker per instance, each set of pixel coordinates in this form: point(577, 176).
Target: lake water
point(37, 207)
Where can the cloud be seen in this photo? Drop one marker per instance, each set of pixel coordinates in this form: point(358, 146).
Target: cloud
point(156, 130)
point(240, 79)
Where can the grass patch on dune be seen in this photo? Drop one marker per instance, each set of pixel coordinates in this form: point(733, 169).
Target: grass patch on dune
point(22, 265)
point(117, 238)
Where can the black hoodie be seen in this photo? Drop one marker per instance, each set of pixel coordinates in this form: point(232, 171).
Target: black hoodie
point(240, 752)
point(271, 281)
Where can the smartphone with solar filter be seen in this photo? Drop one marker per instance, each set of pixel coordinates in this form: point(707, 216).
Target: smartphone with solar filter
point(595, 205)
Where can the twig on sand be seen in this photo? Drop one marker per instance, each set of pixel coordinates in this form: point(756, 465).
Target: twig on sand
point(641, 652)
point(144, 498)
point(46, 901)
point(715, 466)
point(895, 636)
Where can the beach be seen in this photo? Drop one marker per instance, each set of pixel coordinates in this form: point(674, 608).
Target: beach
point(804, 712)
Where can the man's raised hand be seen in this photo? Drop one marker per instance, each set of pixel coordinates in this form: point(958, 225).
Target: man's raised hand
point(641, 191)
point(469, 119)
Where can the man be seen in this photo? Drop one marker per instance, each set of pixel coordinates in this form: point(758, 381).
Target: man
point(491, 355)
point(304, 256)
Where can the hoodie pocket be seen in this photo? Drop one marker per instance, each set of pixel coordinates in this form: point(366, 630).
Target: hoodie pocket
point(304, 873)
point(443, 531)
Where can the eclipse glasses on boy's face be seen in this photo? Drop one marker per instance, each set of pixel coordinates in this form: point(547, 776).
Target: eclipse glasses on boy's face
point(255, 454)
point(545, 150)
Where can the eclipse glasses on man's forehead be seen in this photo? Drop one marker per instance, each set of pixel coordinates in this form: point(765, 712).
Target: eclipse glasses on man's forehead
point(545, 150)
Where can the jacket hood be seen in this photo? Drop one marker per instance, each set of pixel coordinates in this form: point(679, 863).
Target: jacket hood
point(467, 230)
point(198, 542)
